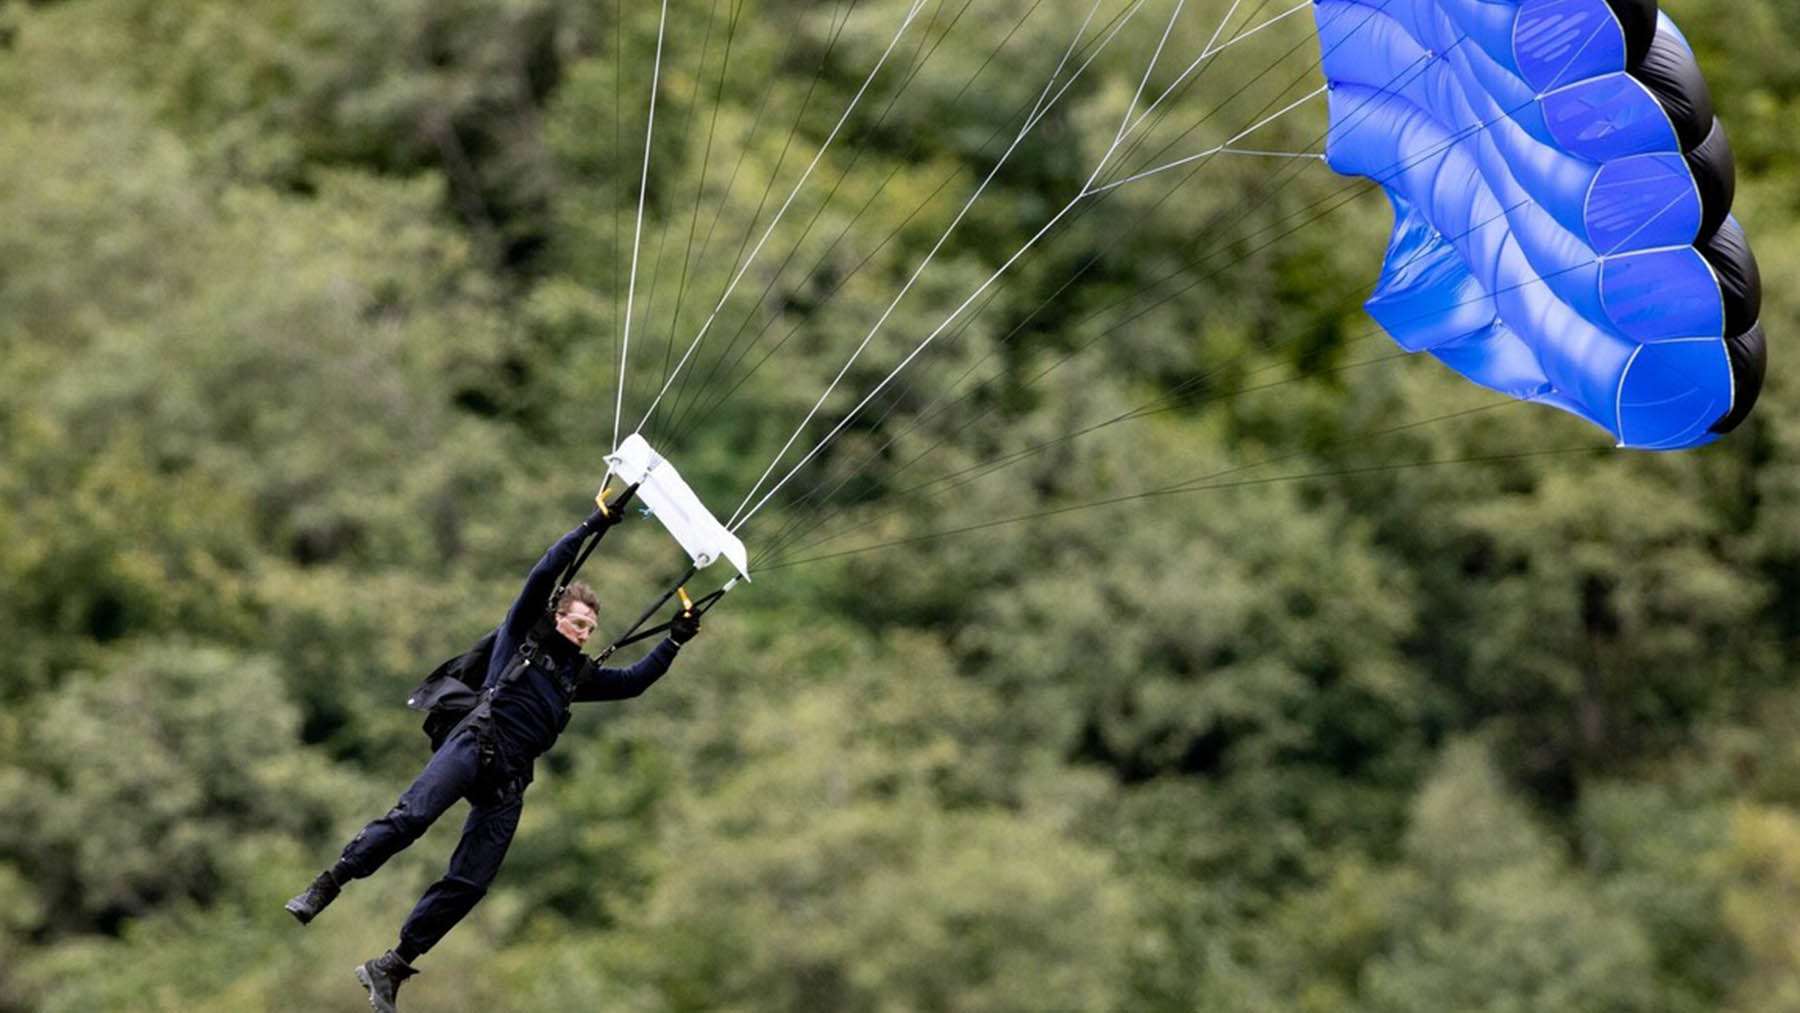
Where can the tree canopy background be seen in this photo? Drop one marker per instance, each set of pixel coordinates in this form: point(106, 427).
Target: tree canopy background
point(310, 321)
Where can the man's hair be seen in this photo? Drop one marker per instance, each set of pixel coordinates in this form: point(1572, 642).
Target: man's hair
point(578, 592)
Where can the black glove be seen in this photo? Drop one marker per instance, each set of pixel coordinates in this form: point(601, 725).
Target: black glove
point(684, 627)
point(617, 510)
point(612, 513)
point(601, 521)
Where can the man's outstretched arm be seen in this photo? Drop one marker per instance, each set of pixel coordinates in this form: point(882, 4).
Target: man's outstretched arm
point(623, 683)
point(534, 597)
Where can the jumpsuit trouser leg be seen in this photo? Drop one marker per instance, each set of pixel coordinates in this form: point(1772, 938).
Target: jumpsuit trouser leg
point(485, 837)
point(450, 775)
point(453, 773)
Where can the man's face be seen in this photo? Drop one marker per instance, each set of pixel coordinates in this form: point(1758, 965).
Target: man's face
point(576, 621)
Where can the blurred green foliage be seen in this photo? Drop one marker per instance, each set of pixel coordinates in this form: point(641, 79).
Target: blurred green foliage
point(1391, 697)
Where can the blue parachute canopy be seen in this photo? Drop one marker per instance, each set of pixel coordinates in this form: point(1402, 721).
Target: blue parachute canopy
point(1561, 195)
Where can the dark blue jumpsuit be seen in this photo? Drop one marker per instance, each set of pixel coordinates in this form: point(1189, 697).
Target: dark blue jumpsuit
point(526, 717)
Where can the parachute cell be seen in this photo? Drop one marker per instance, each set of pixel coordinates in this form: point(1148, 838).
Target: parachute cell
point(1561, 193)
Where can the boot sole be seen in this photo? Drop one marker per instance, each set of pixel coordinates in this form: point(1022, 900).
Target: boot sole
point(362, 977)
point(298, 912)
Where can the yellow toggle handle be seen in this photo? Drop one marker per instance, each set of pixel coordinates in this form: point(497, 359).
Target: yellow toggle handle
point(687, 604)
point(600, 499)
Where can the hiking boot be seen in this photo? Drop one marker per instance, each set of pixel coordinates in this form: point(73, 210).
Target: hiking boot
point(310, 901)
point(382, 977)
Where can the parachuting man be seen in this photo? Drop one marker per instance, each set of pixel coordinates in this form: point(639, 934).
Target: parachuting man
point(534, 671)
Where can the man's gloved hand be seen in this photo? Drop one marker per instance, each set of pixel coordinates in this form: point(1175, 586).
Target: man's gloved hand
point(600, 520)
point(611, 513)
point(684, 627)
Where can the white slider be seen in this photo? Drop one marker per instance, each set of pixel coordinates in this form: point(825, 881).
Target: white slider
point(661, 488)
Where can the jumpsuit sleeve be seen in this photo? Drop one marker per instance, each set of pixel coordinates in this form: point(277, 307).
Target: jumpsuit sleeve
point(623, 683)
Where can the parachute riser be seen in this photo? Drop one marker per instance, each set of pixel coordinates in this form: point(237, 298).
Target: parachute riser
point(695, 607)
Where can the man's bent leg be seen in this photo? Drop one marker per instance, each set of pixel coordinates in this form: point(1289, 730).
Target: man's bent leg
point(448, 777)
point(485, 838)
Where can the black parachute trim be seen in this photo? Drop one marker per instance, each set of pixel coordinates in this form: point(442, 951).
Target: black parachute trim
point(1740, 280)
point(1749, 362)
point(1637, 18)
point(1667, 68)
point(1671, 74)
point(1714, 168)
